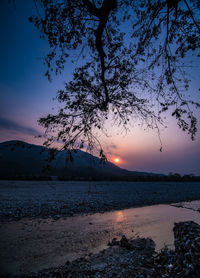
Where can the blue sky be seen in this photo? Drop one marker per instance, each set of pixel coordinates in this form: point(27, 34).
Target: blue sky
point(26, 95)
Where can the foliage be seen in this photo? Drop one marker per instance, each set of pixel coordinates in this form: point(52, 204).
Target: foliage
point(136, 56)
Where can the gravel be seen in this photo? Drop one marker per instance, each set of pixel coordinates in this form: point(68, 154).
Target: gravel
point(55, 199)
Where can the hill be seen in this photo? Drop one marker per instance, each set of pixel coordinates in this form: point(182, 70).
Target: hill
point(18, 158)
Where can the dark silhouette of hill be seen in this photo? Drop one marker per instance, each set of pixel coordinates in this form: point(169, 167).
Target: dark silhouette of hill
point(21, 159)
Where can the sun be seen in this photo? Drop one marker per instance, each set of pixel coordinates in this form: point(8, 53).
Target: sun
point(116, 160)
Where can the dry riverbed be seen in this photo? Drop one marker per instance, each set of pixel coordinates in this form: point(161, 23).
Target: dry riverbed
point(19, 199)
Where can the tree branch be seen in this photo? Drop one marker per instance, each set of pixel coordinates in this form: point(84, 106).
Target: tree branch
point(103, 14)
point(186, 3)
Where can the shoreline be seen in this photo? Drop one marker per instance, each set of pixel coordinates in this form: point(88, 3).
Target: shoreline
point(22, 199)
point(84, 214)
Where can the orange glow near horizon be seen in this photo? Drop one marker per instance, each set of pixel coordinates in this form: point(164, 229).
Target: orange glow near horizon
point(116, 160)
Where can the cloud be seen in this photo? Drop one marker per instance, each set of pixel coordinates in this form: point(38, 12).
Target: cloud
point(11, 125)
point(113, 146)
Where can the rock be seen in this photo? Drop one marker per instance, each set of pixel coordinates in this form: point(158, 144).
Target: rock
point(56, 217)
point(113, 242)
point(99, 267)
point(124, 242)
point(184, 261)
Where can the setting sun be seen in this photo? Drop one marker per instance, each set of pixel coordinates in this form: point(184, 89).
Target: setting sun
point(116, 160)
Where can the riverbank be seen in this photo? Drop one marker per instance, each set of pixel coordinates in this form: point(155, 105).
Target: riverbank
point(56, 199)
point(33, 244)
point(137, 258)
point(44, 235)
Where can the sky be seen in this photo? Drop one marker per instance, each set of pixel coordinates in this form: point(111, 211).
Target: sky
point(26, 95)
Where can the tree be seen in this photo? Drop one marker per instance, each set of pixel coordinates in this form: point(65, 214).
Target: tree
point(135, 57)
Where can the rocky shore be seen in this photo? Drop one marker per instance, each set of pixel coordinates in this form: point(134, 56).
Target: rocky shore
point(53, 199)
point(137, 258)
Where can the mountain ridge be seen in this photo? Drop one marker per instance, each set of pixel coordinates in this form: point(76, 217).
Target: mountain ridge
point(21, 158)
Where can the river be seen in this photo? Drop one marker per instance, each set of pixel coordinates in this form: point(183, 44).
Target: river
point(33, 244)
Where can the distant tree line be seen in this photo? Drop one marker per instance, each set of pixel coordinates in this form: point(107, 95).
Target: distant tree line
point(136, 178)
point(176, 177)
point(25, 177)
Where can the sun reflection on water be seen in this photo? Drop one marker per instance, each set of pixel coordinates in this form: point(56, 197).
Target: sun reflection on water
point(120, 216)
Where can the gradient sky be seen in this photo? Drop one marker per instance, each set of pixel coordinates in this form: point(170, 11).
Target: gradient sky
point(26, 95)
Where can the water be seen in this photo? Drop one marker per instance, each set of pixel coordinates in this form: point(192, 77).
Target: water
point(34, 244)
